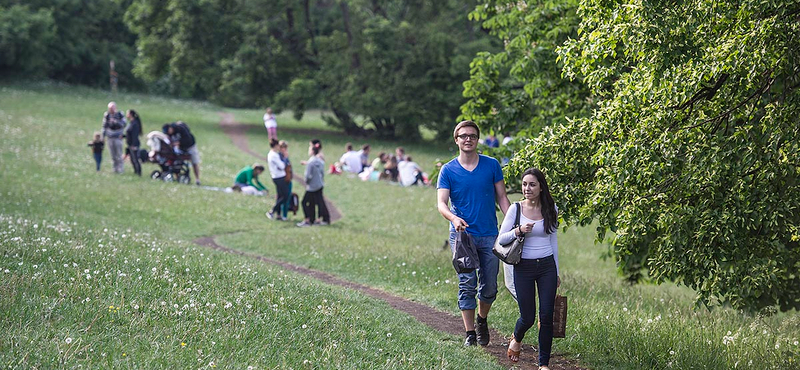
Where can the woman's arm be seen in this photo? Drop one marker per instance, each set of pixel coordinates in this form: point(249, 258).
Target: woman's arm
point(554, 244)
point(507, 230)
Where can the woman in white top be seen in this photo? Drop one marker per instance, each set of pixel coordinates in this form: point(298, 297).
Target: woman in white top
point(277, 170)
point(539, 264)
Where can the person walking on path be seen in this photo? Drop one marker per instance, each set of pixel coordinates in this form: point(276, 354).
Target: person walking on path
point(313, 199)
point(113, 129)
point(132, 134)
point(271, 124)
point(277, 169)
point(472, 183)
point(97, 149)
point(538, 269)
point(287, 204)
point(247, 179)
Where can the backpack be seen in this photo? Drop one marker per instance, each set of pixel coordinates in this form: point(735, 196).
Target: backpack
point(295, 203)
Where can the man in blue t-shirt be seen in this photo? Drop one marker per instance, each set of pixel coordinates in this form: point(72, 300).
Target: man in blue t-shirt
point(472, 183)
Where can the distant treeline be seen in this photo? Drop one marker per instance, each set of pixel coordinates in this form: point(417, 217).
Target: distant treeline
point(397, 65)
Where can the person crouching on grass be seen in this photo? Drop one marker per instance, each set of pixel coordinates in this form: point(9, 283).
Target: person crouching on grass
point(539, 265)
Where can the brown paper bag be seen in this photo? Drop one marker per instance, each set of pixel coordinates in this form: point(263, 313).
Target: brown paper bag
point(559, 318)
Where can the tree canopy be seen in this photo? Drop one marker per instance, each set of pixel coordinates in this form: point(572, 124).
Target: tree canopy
point(68, 40)
point(692, 156)
point(388, 66)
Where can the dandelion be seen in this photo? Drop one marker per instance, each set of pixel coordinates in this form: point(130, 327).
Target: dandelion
point(124, 354)
point(183, 344)
point(68, 340)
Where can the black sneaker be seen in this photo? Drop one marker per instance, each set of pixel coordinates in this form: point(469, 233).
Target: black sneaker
point(482, 330)
point(470, 341)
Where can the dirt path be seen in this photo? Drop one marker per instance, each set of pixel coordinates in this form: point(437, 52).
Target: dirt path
point(438, 320)
point(237, 132)
point(441, 321)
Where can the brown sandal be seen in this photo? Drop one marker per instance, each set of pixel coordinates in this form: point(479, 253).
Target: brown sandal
point(512, 354)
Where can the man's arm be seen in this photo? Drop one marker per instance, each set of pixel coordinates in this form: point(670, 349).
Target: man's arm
point(442, 197)
point(500, 196)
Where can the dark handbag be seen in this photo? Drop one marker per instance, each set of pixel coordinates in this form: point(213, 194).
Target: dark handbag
point(465, 255)
point(510, 253)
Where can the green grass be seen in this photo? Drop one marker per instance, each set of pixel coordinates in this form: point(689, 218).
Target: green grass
point(390, 238)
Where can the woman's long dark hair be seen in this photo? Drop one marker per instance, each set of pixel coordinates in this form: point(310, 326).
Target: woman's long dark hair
point(549, 212)
point(136, 117)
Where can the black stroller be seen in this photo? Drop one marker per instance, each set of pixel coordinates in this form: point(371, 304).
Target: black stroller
point(174, 166)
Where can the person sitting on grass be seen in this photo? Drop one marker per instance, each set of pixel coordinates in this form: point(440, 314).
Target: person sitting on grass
point(410, 173)
point(247, 180)
point(351, 160)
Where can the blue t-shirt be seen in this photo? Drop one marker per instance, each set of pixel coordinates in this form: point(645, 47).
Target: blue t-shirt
point(472, 195)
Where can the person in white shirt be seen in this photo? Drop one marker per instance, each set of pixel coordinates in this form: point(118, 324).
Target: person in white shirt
point(271, 124)
point(277, 170)
point(410, 173)
point(507, 138)
point(351, 160)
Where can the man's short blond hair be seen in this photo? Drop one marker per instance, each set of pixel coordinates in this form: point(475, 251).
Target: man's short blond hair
point(463, 124)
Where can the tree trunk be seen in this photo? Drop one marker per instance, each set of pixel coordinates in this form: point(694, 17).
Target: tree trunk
point(355, 63)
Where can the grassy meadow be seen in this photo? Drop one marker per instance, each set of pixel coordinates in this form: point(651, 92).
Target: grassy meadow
point(98, 270)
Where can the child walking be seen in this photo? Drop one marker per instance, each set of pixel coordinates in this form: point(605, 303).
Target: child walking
point(97, 149)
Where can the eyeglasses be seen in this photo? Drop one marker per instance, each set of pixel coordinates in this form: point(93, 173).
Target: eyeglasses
point(464, 137)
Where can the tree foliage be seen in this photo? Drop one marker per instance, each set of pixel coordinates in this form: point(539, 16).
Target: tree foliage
point(388, 66)
point(520, 89)
point(68, 40)
point(692, 157)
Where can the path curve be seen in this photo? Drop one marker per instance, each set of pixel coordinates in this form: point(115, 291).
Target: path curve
point(438, 320)
point(237, 132)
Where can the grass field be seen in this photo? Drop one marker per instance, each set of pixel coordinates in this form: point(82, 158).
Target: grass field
point(98, 270)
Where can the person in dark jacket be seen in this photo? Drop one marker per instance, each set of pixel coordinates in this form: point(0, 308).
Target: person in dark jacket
point(113, 130)
point(132, 134)
point(181, 138)
point(97, 149)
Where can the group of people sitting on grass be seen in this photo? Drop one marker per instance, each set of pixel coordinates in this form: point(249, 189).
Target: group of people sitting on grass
point(118, 126)
point(399, 168)
point(280, 169)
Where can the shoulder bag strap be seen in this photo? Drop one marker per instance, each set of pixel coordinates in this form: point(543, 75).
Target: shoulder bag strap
point(519, 211)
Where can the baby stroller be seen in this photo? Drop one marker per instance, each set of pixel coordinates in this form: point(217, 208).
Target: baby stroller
point(174, 166)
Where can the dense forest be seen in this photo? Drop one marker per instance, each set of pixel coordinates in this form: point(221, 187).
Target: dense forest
point(393, 66)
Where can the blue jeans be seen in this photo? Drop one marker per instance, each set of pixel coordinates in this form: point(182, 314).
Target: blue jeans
point(528, 274)
point(482, 281)
point(98, 157)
